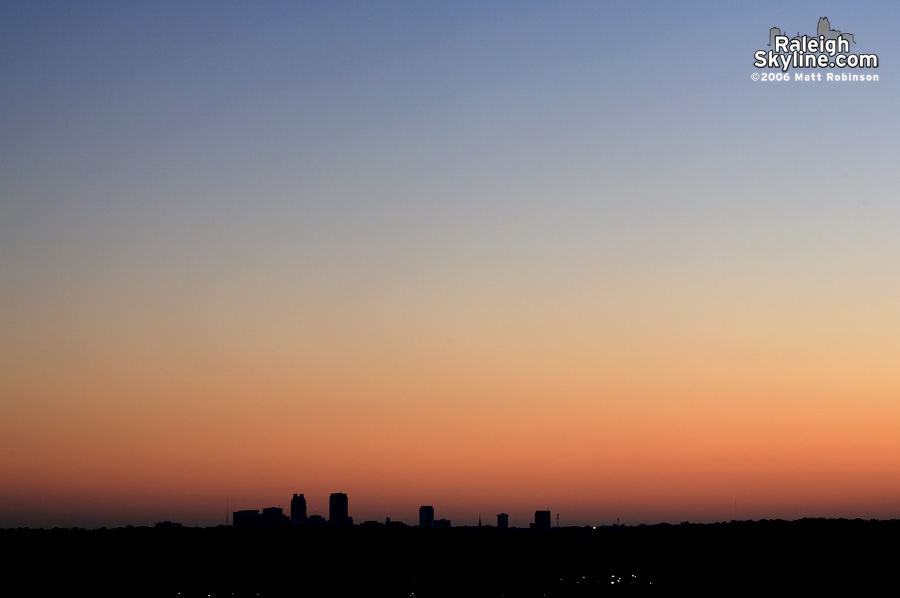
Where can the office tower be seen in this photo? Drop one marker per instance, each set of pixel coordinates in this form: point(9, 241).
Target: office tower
point(541, 520)
point(337, 509)
point(502, 521)
point(298, 509)
point(426, 517)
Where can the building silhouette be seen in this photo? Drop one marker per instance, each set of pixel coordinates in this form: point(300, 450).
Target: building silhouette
point(541, 520)
point(502, 521)
point(338, 513)
point(426, 516)
point(270, 517)
point(298, 509)
point(273, 516)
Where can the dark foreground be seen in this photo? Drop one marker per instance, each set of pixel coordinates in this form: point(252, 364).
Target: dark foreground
point(719, 559)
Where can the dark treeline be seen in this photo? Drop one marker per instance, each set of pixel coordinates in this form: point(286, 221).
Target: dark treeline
point(807, 555)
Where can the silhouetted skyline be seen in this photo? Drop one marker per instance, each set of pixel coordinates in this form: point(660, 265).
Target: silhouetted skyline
point(491, 257)
point(339, 516)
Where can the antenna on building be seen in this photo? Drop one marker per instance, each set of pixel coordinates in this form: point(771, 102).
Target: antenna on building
point(557, 521)
point(226, 511)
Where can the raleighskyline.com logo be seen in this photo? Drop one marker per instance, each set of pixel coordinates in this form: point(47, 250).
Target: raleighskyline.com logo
point(830, 48)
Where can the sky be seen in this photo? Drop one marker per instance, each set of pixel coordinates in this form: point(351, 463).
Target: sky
point(487, 256)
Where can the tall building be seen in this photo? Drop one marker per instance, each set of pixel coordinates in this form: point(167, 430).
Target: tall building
point(298, 509)
point(337, 509)
point(426, 517)
point(541, 520)
point(502, 521)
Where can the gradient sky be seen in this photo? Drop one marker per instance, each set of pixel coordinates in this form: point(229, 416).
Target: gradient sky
point(492, 257)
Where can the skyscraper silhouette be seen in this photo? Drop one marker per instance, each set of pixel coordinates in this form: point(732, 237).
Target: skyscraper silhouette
point(298, 509)
point(502, 521)
point(426, 516)
point(337, 509)
point(541, 520)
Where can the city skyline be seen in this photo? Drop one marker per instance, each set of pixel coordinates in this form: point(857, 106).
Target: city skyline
point(491, 257)
point(338, 516)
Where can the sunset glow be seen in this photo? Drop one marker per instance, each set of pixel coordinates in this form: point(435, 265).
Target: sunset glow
point(491, 258)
